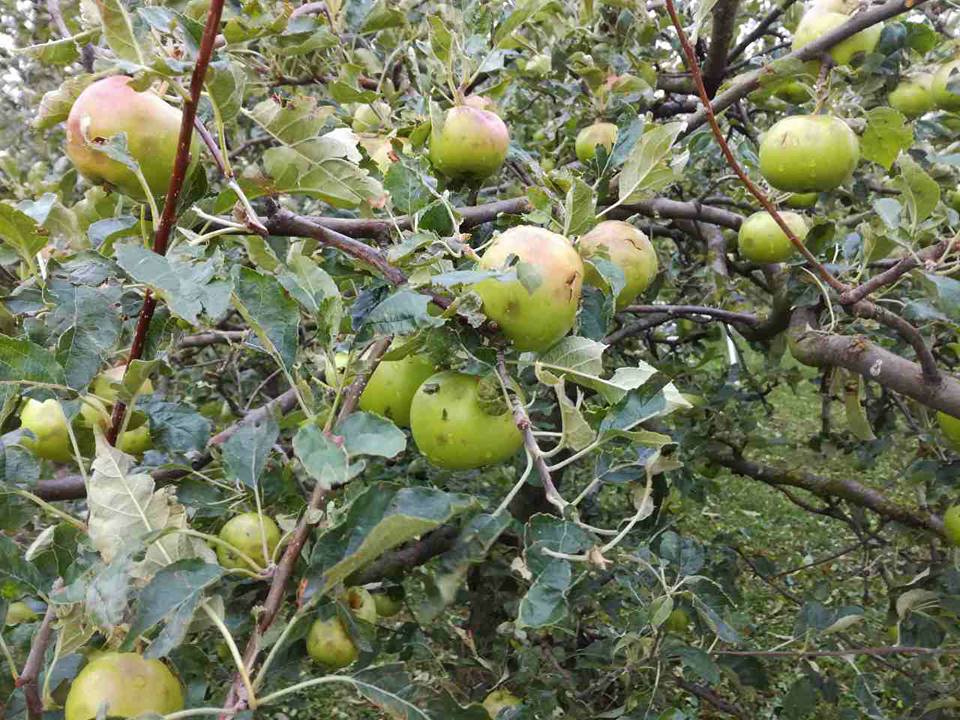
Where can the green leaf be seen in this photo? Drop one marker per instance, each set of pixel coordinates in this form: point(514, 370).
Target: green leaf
point(20, 232)
point(187, 286)
point(524, 10)
point(801, 700)
point(380, 519)
point(857, 420)
point(55, 104)
point(324, 459)
point(245, 453)
point(90, 325)
point(698, 661)
point(175, 426)
point(888, 132)
point(401, 313)
point(646, 169)
point(17, 576)
point(408, 193)
point(271, 313)
point(580, 208)
point(225, 82)
point(21, 360)
point(918, 191)
point(545, 602)
point(367, 434)
point(172, 590)
point(317, 293)
point(119, 33)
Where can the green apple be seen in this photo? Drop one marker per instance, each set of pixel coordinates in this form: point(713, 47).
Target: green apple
point(387, 604)
point(913, 96)
point(19, 612)
point(123, 685)
point(793, 91)
point(248, 534)
point(372, 117)
point(816, 24)
point(109, 107)
point(953, 199)
point(950, 427)
point(807, 153)
point(329, 643)
point(601, 133)
point(105, 384)
point(135, 442)
point(390, 389)
point(536, 315)
point(361, 603)
point(678, 621)
point(498, 701)
point(454, 430)
point(951, 524)
point(761, 239)
point(946, 76)
point(626, 247)
point(48, 424)
point(471, 143)
point(802, 200)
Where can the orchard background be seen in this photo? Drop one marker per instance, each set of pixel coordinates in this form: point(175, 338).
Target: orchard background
point(712, 476)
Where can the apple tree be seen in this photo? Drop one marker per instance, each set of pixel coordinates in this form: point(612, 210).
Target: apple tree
point(494, 358)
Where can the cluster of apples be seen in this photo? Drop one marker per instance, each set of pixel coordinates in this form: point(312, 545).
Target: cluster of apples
point(49, 435)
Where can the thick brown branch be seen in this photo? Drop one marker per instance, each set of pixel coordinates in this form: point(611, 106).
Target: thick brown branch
point(678, 210)
point(724, 25)
point(828, 488)
point(395, 562)
point(709, 696)
point(859, 355)
point(751, 81)
point(177, 177)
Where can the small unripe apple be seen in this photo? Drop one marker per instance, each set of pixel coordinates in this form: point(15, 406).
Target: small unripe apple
point(329, 643)
point(369, 118)
point(533, 319)
point(19, 612)
point(387, 605)
point(793, 91)
point(453, 429)
point(104, 385)
point(390, 389)
point(629, 249)
point(806, 153)
point(601, 133)
point(678, 621)
point(49, 426)
point(109, 107)
point(947, 74)
point(246, 533)
point(500, 700)
point(123, 685)
point(802, 200)
point(135, 442)
point(950, 427)
point(953, 199)
point(816, 24)
point(951, 524)
point(913, 96)
point(762, 240)
point(471, 143)
point(361, 603)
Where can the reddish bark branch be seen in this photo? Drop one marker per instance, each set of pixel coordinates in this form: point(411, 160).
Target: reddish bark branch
point(177, 177)
point(28, 679)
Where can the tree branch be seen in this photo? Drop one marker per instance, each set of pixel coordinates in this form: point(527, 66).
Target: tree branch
point(828, 488)
point(930, 254)
point(759, 30)
point(34, 664)
point(724, 27)
point(709, 696)
point(177, 177)
point(859, 355)
point(728, 316)
point(751, 81)
point(393, 563)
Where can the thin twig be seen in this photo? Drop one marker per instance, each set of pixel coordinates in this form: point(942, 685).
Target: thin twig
point(34, 664)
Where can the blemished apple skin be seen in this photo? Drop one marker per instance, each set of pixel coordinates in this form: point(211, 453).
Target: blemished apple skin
point(533, 320)
point(809, 153)
point(109, 107)
point(453, 431)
